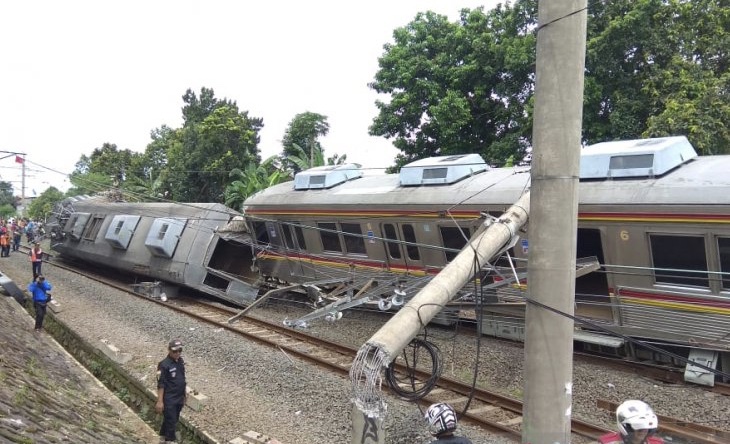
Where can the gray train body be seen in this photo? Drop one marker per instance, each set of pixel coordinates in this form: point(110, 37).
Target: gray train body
point(187, 245)
point(654, 218)
point(653, 214)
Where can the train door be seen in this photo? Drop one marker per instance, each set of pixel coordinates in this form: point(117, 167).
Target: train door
point(401, 249)
point(296, 250)
point(591, 289)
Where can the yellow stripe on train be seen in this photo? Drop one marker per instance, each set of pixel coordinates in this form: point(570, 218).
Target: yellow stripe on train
point(681, 306)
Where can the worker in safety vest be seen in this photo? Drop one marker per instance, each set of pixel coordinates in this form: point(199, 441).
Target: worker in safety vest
point(36, 259)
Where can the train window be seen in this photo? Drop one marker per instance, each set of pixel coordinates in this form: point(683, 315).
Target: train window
point(329, 236)
point(288, 236)
point(389, 232)
point(409, 235)
point(679, 260)
point(723, 246)
point(76, 224)
point(352, 234)
point(454, 240)
point(300, 236)
point(293, 236)
point(262, 235)
point(93, 229)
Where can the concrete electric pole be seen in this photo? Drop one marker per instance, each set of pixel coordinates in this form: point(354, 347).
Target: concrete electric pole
point(561, 42)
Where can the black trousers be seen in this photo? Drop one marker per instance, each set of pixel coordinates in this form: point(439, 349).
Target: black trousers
point(40, 313)
point(170, 417)
point(36, 269)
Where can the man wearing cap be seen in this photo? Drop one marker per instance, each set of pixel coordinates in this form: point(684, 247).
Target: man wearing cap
point(171, 393)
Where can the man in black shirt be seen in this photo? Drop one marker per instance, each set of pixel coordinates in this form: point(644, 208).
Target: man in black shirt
point(171, 393)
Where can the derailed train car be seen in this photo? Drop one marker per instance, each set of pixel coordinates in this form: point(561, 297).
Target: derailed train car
point(198, 245)
point(654, 215)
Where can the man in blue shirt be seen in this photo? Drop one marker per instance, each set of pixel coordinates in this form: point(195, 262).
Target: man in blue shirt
point(40, 289)
point(171, 393)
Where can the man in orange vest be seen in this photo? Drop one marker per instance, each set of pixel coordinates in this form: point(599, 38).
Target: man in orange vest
point(4, 244)
point(36, 259)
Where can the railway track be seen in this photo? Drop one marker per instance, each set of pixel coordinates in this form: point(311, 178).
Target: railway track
point(487, 409)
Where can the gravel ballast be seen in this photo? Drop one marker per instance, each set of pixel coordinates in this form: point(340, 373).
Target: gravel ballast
point(252, 387)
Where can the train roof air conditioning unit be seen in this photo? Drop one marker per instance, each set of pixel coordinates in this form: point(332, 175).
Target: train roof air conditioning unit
point(635, 158)
point(442, 170)
point(326, 176)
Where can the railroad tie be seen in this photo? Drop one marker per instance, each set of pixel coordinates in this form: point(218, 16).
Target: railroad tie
point(483, 409)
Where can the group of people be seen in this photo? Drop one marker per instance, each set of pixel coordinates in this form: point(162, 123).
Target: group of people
point(12, 230)
point(636, 423)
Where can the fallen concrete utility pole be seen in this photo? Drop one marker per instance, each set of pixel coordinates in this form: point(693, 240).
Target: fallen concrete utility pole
point(388, 342)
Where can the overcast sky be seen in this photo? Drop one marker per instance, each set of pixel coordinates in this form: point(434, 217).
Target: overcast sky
point(77, 74)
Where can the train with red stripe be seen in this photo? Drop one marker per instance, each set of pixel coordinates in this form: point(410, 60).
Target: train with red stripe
point(654, 220)
point(653, 246)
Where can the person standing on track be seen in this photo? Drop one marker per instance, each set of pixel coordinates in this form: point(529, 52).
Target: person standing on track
point(171, 395)
point(636, 422)
point(40, 289)
point(17, 237)
point(36, 259)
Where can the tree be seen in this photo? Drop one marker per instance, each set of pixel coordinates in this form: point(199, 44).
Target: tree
point(42, 206)
point(108, 160)
point(6, 194)
point(254, 178)
point(148, 180)
point(653, 67)
point(215, 139)
point(88, 183)
point(459, 87)
point(302, 135)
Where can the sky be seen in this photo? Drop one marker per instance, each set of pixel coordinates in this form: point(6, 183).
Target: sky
point(77, 74)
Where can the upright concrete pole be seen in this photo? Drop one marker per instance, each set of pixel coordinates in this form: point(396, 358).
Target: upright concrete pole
point(552, 231)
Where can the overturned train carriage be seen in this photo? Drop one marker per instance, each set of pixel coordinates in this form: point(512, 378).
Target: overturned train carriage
point(653, 214)
point(198, 245)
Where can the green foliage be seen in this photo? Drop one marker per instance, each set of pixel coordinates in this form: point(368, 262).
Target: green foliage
point(301, 160)
point(657, 68)
point(88, 183)
point(6, 195)
point(302, 135)
point(108, 161)
point(7, 211)
point(215, 140)
point(21, 396)
point(254, 178)
point(458, 87)
point(653, 68)
point(41, 208)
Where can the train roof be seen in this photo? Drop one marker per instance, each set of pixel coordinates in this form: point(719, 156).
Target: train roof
point(702, 180)
point(155, 209)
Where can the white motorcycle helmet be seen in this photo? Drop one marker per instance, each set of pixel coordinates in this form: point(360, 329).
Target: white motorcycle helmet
point(441, 418)
point(635, 415)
